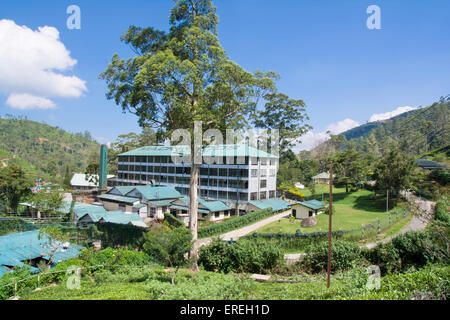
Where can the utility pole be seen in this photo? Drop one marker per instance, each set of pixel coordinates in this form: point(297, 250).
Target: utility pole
point(329, 224)
point(387, 200)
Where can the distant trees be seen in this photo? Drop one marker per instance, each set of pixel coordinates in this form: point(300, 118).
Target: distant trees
point(47, 202)
point(14, 186)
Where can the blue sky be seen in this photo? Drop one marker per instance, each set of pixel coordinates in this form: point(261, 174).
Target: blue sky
point(323, 51)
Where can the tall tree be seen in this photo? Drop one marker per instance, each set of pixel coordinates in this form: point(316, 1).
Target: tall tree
point(183, 76)
point(349, 167)
point(393, 172)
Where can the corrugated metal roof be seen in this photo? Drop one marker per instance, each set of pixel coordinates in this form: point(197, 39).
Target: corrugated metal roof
point(313, 204)
point(230, 150)
point(162, 203)
point(117, 217)
point(123, 190)
point(276, 204)
point(79, 180)
point(157, 193)
point(187, 208)
point(18, 247)
point(117, 198)
point(322, 175)
point(211, 206)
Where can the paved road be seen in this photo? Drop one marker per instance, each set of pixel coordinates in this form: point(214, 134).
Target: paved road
point(236, 234)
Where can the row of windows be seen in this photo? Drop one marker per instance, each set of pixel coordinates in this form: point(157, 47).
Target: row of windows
point(254, 173)
point(221, 183)
point(262, 195)
point(214, 194)
point(217, 160)
point(186, 170)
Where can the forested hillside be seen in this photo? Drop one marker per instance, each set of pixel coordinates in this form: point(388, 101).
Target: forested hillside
point(415, 133)
point(48, 149)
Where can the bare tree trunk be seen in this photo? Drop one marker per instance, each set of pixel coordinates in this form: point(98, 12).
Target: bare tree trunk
point(193, 213)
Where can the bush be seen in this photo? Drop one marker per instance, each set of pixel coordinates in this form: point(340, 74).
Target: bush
point(412, 249)
point(344, 255)
point(235, 223)
point(441, 212)
point(242, 256)
point(172, 220)
point(114, 257)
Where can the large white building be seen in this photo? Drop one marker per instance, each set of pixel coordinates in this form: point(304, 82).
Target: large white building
point(239, 174)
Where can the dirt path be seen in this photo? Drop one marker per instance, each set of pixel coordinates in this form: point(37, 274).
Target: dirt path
point(236, 234)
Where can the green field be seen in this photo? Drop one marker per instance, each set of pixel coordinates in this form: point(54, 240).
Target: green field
point(350, 211)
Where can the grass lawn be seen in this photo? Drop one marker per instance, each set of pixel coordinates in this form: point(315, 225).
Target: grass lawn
point(350, 211)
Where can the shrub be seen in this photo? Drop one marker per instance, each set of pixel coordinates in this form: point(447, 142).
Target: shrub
point(172, 220)
point(114, 257)
point(412, 249)
point(216, 257)
point(441, 212)
point(242, 256)
point(344, 255)
point(235, 223)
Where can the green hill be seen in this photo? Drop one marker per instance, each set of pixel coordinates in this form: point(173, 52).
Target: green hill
point(44, 149)
point(415, 132)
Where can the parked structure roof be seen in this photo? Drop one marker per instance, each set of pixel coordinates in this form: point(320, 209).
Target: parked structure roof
point(313, 204)
point(276, 204)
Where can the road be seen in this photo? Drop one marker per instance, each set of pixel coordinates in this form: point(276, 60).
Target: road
point(236, 234)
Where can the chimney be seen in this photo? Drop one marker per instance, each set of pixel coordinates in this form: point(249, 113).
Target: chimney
point(102, 181)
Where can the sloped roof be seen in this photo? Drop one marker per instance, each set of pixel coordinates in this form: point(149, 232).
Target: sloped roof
point(322, 175)
point(313, 204)
point(162, 203)
point(275, 203)
point(79, 180)
point(208, 206)
point(117, 198)
point(117, 217)
point(123, 190)
point(18, 247)
point(428, 164)
point(157, 193)
point(212, 150)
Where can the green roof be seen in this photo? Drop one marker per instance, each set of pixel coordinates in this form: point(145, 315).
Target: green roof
point(161, 203)
point(114, 197)
point(123, 190)
point(276, 204)
point(211, 206)
point(157, 193)
point(19, 247)
point(322, 175)
point(428, 164)
point(230, 150)
point(313, 204)
point(117, 217)
point(187, 208)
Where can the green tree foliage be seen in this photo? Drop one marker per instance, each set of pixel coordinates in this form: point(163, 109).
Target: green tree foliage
point(393, 172)
point(14, 186)
point(48, 149)
point(348, 167)
point(286, 115)
point(168, 246)
point(47, 202)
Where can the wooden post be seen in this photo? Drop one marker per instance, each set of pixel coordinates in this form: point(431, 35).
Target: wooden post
point(329, 225)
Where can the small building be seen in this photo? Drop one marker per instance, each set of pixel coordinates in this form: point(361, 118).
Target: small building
point(79, 181)
point(117, 217)
point(207, 210)
point(277, 205)
point(323, 177)
point(426, 164)
point(305, 209)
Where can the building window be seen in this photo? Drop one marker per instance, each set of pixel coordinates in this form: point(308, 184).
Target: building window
point(263, 184)
point(263, 161)
point(263, 172)
point(254, 173)
point(262, 195)
point(271, 194)
point(253, 196)
point(254, 160)
point(217, 214)
point(272, 172)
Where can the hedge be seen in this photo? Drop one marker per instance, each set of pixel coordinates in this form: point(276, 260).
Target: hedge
point(172, 220)
point(235, 223)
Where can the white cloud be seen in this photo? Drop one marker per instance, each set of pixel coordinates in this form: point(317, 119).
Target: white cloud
point(32, 62)
point(388, 115)
point(342, 126)
point(28, 101)
point(311, 140)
